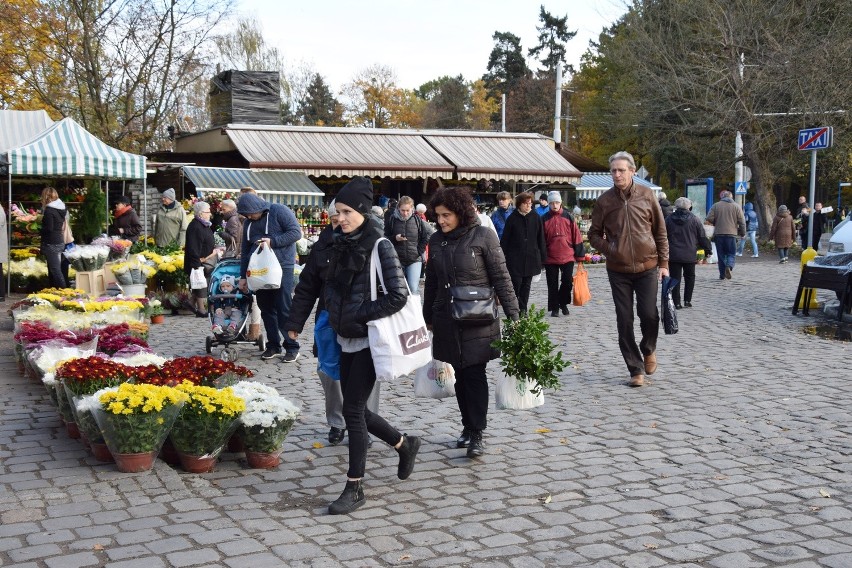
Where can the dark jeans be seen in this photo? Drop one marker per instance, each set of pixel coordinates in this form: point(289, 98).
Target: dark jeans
point(357, 378)
point(472, 396)
point(53, 255)
point(559, 295)
point(522, 285)
point(274, 309)
point(687, 270)
point(726, 248)
point(644, 286)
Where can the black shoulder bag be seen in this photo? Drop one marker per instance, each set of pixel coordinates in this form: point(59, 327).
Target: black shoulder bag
point(471, 305)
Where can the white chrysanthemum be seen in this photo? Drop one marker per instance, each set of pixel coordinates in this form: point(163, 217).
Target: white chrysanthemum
point(249, 390)
point(141, 359)
point(268, 412)
point(49, 379)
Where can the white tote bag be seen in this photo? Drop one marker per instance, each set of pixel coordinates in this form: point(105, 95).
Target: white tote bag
point(196, 279)
point(511, 394)
point(400, 342)
point(264, 271)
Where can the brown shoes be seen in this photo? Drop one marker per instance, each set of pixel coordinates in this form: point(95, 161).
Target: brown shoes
point(650, 363)
point(637, 381)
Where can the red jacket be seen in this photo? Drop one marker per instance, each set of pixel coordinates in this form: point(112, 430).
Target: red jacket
point(561, 234)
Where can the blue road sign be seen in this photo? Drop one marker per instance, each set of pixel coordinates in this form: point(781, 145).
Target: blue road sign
point(816, 138)
point(741, 188)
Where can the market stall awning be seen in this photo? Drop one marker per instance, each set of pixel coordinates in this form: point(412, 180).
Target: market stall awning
point(592, 185)
point(276, 186)
point(68, 149)
point(504, 156)
point(18, 127)
point(341, 152)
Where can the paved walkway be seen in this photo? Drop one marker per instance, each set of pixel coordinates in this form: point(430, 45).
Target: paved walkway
point(736, 455)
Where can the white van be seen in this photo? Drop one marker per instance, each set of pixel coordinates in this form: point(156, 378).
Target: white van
point(841, 238)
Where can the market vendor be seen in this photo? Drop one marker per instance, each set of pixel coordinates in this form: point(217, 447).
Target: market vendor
point(125, 221)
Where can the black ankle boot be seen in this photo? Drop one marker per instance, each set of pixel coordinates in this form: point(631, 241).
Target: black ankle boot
point(407, 452)
point(477, 446)
point(463, 441)
point(351, 498)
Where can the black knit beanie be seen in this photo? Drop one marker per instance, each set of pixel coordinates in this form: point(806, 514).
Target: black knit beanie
point(357, 194)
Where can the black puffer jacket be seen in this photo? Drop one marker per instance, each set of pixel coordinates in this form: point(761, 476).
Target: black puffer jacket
point(347, 287)
point(411, 250)
point(523, 244)
point(311, 282)
point(468, 256)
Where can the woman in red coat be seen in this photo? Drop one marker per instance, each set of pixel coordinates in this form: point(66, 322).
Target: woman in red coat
point(561, 235)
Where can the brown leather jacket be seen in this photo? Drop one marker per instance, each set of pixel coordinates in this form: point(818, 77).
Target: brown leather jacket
point(629, 229)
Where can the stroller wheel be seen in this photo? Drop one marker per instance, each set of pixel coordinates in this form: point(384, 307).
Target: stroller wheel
point(208, 345)
point(228, 354)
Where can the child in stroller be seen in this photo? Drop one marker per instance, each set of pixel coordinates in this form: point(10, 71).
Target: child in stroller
point(227, 315)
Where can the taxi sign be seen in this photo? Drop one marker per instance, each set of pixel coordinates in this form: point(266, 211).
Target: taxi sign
point(816, 138)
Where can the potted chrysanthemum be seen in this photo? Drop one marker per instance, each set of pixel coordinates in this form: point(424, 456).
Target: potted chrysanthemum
point(264, 424)
point(83, 376)
point(135, 419)
point(205, 422)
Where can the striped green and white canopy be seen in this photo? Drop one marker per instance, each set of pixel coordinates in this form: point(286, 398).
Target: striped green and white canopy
point(68, 149)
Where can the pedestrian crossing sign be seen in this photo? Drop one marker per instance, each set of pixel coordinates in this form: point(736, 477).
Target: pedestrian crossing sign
point(741, 188)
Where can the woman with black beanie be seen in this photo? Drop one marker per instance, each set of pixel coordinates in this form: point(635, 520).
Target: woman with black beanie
point(347, 299)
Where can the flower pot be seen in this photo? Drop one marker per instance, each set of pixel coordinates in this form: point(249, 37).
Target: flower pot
point(169, 453)
point(158, 318)
point(72, 430)
point(134, 463)
point(235, 443)
point(263, 460)
point(101, 452)
point(197, 464)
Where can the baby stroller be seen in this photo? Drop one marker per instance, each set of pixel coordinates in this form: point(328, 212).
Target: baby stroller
point(217, 299)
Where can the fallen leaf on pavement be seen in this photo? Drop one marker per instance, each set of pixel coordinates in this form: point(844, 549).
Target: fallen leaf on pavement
point(542, 431)
point(318, 445)
point(825, 493)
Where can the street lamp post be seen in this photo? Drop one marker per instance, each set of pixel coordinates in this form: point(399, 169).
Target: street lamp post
point(840, 186)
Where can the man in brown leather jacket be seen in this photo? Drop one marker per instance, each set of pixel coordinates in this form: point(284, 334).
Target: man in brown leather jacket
point(628, 228)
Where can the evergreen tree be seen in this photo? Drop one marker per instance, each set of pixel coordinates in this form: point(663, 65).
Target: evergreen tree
point(448, 103)
point(319, 107)
point(506, 64)
point(552, 35)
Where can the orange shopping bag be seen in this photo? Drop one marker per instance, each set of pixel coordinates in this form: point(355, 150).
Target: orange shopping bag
point(581, 286)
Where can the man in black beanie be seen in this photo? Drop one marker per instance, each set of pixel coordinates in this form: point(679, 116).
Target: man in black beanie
point(357, 194)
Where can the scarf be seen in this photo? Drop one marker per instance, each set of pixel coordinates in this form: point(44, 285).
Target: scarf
point(204, 222)
point(351, 253)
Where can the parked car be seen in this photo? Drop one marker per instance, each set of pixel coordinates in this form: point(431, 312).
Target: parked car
point(841, 238)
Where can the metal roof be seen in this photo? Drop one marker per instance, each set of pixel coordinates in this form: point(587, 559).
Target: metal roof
point(276, 186)
point(520, 157)
point(19, 127)
point(592, 185)
point(342, 152)
point(380, 152)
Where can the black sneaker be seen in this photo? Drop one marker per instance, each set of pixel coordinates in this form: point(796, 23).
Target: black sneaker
point(290, 357)
point(564, 310)
point(271, 353)
point(554, 314)
point(335, 435)
point(687, 304)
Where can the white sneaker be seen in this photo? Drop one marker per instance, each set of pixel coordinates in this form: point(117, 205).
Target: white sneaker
point(217, 329)
point(739, 254)
point(755, 256)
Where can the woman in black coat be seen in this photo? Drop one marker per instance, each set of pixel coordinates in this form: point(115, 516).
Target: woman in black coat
point(524, 246)
point(54, 216)
point(686, 235)
point(199, 252)
point(347, 299)
point(463, 253)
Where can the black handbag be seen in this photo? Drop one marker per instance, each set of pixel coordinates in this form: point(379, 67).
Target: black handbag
point(473, 305)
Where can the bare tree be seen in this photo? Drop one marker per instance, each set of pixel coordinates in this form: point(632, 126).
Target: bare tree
point(125, 63)
point(691, 73)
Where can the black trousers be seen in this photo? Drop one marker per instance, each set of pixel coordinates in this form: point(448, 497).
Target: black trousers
point(53, 256)
point(687, 270)
point(357, 378)
point(472, 396)
point(522, 286)
point(642, 285)
point(559, 294)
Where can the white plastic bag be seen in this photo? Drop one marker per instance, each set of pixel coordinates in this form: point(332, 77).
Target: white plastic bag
point(196, 279)
point(435, 380)
point(714, 258)
point(264, 271)
point(536, 278)
point(511, 394)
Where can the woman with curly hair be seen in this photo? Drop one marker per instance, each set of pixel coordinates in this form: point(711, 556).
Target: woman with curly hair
point(465, 254)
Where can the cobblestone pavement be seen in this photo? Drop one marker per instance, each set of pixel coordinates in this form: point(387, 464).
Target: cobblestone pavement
point(736, 455)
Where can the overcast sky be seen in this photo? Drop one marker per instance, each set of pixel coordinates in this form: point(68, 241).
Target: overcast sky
point(421, 40)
